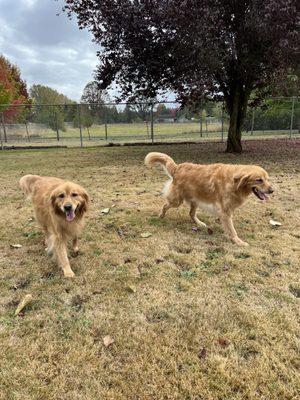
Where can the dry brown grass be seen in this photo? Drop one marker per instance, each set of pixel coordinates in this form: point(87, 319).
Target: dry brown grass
point(193, 316)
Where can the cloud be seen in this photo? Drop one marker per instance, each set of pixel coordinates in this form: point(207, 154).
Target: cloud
point(46, 45)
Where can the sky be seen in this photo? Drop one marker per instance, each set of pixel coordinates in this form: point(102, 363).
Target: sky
point(49, 49)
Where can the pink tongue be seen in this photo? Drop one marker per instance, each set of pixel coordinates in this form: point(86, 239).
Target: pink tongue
point(266, 198)
point(70, 216)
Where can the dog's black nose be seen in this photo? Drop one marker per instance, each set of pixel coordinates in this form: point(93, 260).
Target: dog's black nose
point(68, 207)
point(271, 190)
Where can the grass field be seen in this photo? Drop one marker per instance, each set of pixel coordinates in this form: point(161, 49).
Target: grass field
point(193, 317)
point(122, 133)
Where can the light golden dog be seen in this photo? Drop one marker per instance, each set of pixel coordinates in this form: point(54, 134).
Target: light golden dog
point(59, 208)
point(219, 188)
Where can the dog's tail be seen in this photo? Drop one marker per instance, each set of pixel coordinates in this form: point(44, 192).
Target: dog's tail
point(27, 183)
point(162, 159)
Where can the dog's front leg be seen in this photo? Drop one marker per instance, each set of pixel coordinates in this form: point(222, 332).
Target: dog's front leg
point(62, 258)
point(228, 226)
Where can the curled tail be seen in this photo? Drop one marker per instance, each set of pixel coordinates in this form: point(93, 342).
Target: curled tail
point(162, 159)
point(27, 183)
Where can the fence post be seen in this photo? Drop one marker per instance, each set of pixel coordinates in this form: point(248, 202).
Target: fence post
point(26, 126)
point(292, 117)
point(152, 123)
point(252, 121)
point(201, 127)
point(105, 123)
point(1, 139)
point(56, 124)
point(79, 122)
point(222, 121)
point(4, 129)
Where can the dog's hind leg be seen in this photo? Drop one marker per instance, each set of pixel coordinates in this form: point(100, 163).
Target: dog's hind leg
point(164, 209)
point(194, 216)
point(174, 203)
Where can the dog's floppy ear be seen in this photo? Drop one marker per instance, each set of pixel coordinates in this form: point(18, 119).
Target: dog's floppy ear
point(53, 196)
point(241, 180)
point(86, 201)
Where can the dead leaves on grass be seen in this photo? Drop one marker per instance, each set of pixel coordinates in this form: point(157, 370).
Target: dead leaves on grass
point(223, 342)
point(146, 234)
point(16, 246)
point(274, 223)
point(25, 301)
point(108, 340)
point(202, 353)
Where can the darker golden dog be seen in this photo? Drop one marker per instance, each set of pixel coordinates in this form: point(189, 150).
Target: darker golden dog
point(219, 188)
point(59, 208)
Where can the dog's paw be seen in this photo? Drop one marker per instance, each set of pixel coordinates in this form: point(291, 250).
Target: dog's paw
point(69, 274)
point(240, 242)
point(49, 251)
point(76, 253)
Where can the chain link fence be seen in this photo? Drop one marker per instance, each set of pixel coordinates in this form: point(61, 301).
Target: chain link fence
point(94, 124)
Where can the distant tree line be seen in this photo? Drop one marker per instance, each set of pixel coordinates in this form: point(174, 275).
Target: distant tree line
point(47, 106)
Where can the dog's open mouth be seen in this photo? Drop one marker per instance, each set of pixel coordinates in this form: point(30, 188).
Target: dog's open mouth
point(70, 215)
point(261, 195)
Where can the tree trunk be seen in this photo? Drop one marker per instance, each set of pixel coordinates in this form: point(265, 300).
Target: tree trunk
point(236, 107)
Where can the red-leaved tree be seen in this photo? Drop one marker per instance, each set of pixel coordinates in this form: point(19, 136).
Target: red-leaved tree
point(13, 91)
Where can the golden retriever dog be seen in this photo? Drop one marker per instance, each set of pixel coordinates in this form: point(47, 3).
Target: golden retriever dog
point(59, 208)
point(219, 188)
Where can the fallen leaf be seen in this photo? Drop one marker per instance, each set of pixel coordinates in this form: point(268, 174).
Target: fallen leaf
point(26, 300)
point(274, 223)
point(146, 234)
point(223, 342)
point(105, 211)
point(108, 341)
point(131, 288)
point(15, 246)
point(202, 353)
point(120, 232)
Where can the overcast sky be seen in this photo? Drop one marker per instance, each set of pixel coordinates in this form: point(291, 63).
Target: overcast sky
point(49, 49)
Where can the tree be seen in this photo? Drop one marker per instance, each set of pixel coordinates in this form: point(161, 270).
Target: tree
point(55, 108)
point(46, 95)
point(13, 91)
point(218, 49)
point(96, 98)
point(93, 95)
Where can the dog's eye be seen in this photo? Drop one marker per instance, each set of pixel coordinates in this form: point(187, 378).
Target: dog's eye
point(74, 194)
point(260, 180)
point(61, 196)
